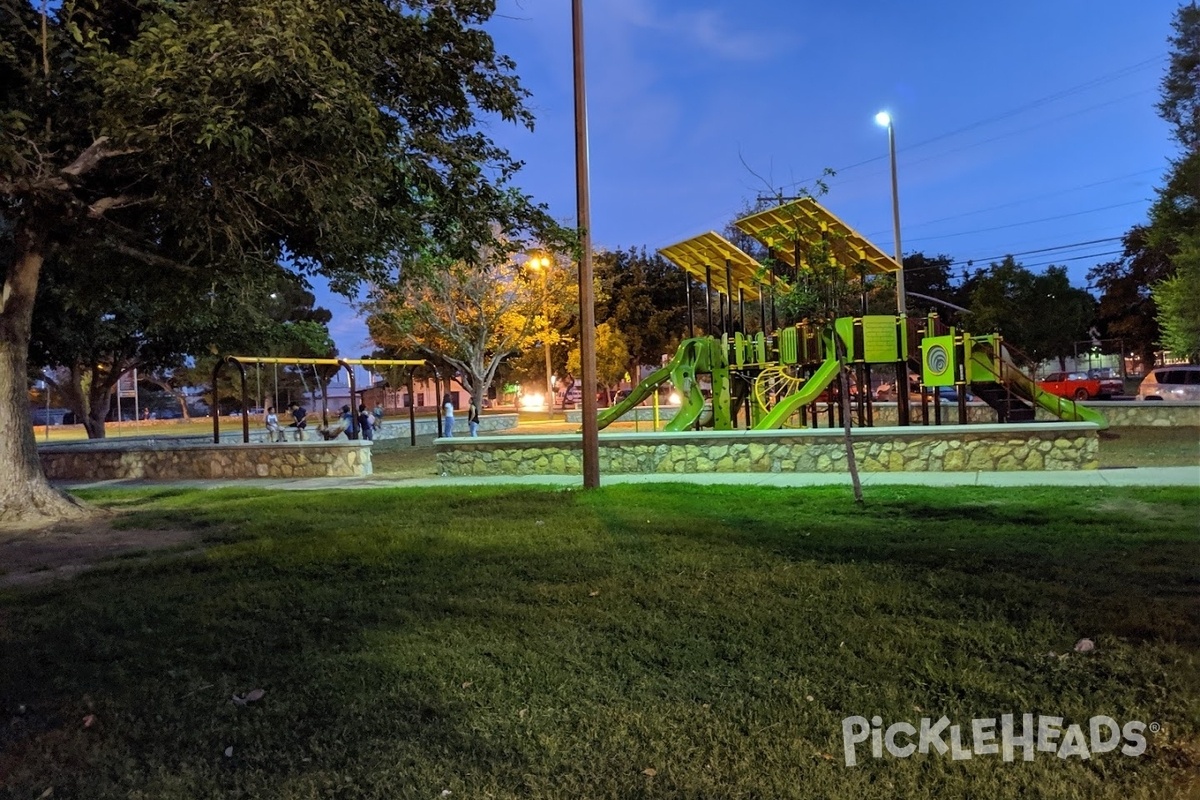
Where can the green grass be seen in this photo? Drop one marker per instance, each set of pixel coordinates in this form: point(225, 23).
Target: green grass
point(1150, 447)
point(514, 643)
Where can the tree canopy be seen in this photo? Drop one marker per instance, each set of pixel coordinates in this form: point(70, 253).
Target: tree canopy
point(1040, 314)
point(222, 139)
point(1175, 216)
point(470, 317)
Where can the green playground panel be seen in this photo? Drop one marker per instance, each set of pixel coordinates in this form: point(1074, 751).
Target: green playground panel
point(937, 361)
point(882, 339)
point(788, 352)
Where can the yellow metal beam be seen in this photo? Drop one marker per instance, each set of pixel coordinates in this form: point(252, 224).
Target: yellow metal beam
point(332, 362)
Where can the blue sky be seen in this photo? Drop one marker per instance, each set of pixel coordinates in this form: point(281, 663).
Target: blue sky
point(1020, 125)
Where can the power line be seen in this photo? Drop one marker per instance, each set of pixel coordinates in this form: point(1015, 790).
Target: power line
point(1041, 125)
point(1022, 201)
point(1042, 250)
point(1027, 222)
point(1123, 72)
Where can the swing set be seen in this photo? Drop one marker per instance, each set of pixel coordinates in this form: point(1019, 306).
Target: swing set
point(342, 363)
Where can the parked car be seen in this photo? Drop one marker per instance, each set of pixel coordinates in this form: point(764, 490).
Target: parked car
point(1078, 386)
point(1179, 382)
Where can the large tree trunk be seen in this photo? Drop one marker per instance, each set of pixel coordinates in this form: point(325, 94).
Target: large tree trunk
point(87, 399)
point(25, 495)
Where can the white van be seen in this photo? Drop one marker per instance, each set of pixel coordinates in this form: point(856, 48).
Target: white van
point(1179, 382)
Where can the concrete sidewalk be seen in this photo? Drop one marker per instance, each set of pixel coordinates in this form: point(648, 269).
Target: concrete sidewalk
point(1149, 476)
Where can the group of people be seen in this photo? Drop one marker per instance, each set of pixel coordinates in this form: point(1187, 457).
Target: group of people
point(366, 424)
point(448, 418)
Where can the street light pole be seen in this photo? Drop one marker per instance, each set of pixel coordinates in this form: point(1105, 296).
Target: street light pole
point(587, 309)
point(885, 119)
point(546, 345)
point(542, 264)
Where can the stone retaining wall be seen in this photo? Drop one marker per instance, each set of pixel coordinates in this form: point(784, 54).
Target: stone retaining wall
point(173, 459)
point(397, 427)
point(1119, 413)
point(392, 427)
point(953, 448)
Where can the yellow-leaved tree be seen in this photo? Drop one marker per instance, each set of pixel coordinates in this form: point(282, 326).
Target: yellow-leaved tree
point(469, 318)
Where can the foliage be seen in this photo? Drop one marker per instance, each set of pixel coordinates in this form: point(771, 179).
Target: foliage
point(1180, 103)
point(644, 297)
point(157, 324)
point(411, 642)
point(612, 356)
point(469, 317)
point(821, 289)
point(556, 317)
point(224, 139)
point(1040, 314)
point(1175, 216)
point(1127, 309)
point(1178, 299)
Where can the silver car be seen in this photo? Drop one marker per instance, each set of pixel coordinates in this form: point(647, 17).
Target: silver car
point(1179, 382)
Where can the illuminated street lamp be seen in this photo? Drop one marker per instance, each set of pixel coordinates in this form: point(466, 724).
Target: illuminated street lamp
point(885, 119)
point(542, 264)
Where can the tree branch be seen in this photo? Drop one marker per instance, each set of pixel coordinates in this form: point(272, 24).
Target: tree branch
point(90, 158)
point(97, 209)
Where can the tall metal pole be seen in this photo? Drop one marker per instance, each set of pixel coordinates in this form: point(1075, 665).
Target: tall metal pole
point(902, 409)
point(587, 309)
point(901, 305)
point(546, 342)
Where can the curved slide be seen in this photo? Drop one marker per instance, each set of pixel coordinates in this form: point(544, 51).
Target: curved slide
point(801, 397)
point(690, 409)
point(1026, 387)
point(692, 356)
point(640, 392)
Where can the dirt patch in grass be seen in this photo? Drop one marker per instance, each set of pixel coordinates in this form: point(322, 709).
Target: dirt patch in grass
point(30, 558)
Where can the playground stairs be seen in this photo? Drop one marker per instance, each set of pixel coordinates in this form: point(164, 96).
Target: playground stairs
point(1009, 406)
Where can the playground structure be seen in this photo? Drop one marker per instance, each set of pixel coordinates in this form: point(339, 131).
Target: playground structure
point(781, 378)
point(340, 363)
point(770, 382)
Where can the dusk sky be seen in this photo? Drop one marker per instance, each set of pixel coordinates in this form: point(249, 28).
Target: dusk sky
point(1020, 126)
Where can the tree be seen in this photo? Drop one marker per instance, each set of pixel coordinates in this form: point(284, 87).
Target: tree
point(1127, 309)
point(645, 298)
point(469, 317)
point(612, 358)
point(1178, 300)
point(1175, 215)
point(221, 138)
point(1180, 103)
point(1040, 314)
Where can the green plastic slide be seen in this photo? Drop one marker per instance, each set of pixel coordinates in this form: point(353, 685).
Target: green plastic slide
point(801, 397)
point(690, 409)
point(640, 392)
point(693, 355)
point(1024, 386)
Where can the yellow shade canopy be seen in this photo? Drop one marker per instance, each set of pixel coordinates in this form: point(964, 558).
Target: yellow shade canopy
point(730, 267)
point(800, 224)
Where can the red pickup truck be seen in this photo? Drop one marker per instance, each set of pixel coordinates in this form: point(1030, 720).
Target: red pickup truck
point(1078, 386)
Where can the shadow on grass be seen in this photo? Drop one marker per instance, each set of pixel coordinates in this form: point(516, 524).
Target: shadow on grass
point(546, 644)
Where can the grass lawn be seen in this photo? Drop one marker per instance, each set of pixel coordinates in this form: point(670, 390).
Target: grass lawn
point(654, 641)
point(1150, 447)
